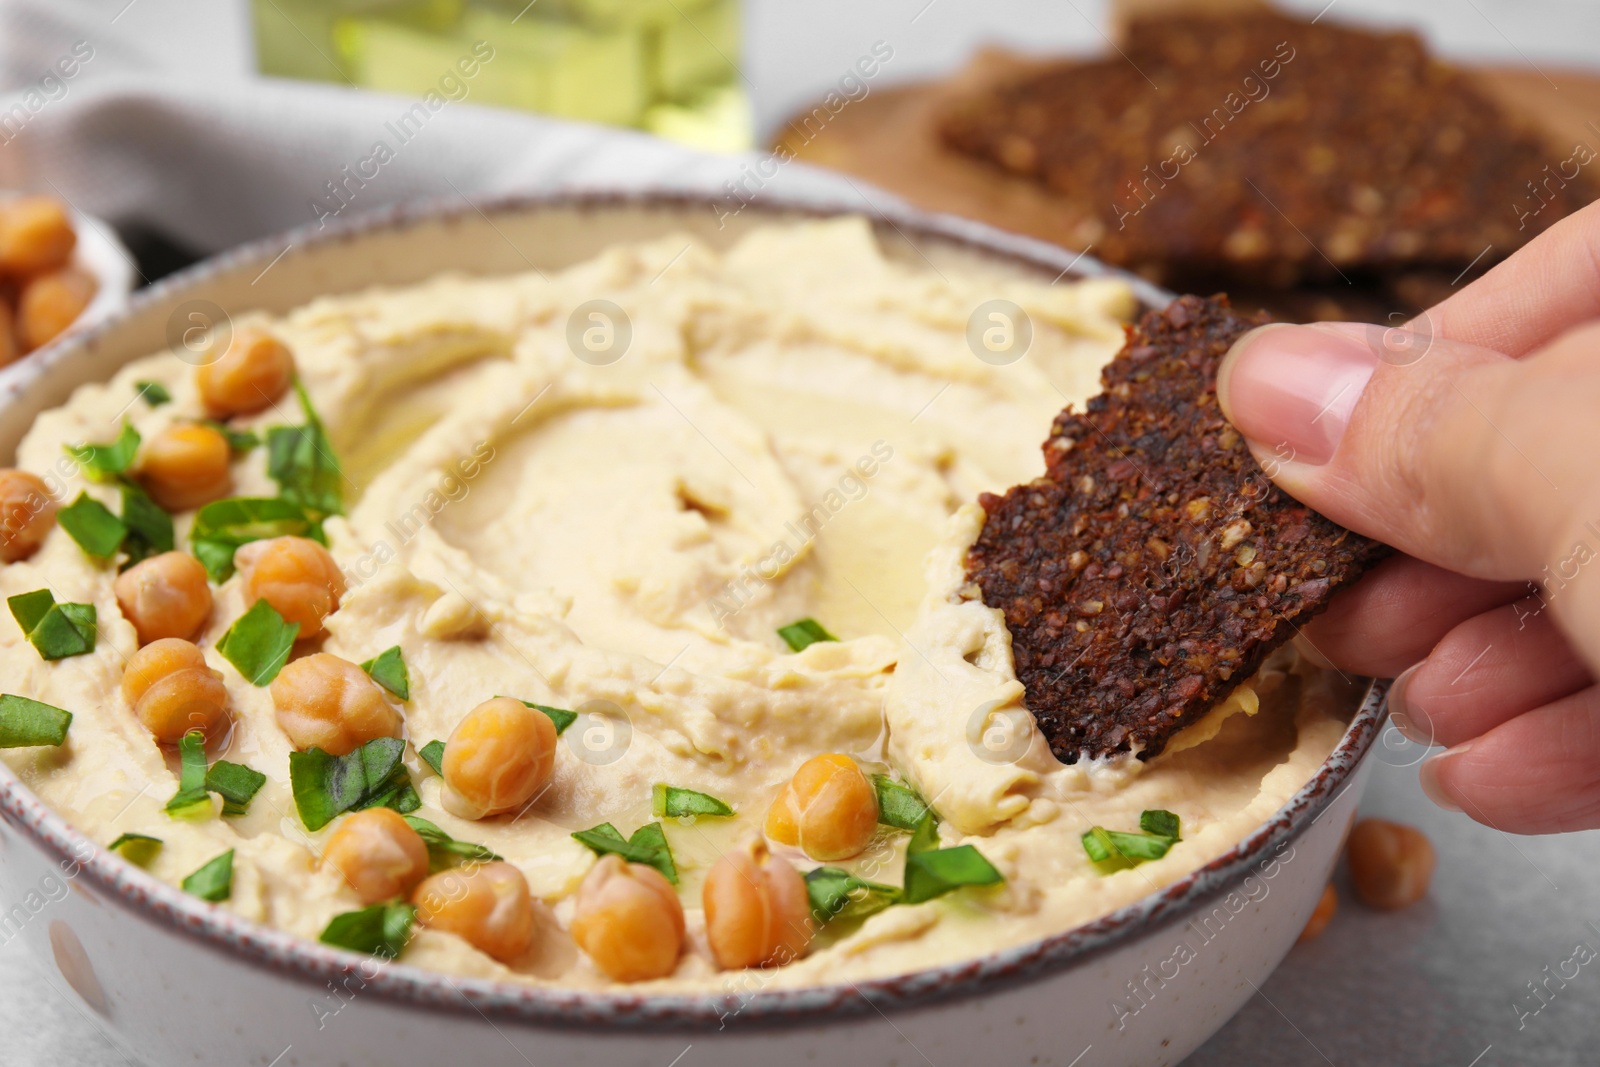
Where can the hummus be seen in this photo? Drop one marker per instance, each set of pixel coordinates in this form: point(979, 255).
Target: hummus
point(615, 515)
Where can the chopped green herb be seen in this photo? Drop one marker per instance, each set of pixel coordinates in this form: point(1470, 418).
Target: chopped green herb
point(388, 669)
point(669, 801)
point(223, 525)
point(153, 393)
point(1161, 823)
point(648, 845)
point(444, 850)
point(380, 930)
point(301, 460)
point(258, 643)
point(932, 871)
point(104, 463)
point(432, 754)
point(1116, 850)
point(371, 776)
point(803, 634)
point(214, 881)
point(56, 630)
point(191, 801)
point(91, 524)
point(149, 528)
point(137, 849)
point(838, 894)
point(25, 723)
point(238, 440)
point(560, 716)
point(236, 784)
point(899, 805)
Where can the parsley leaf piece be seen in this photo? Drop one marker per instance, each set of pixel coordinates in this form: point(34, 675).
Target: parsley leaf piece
point(236, 784)
point(149, 528)
point(432, 754)
point(91, 524)
point(214, 881)
point(325, 786)
point(105, 463)
point(669, 801)
point(560, 716)
point(803, 634)
point(444, 850)
point(137, 849)
point(25, 723)
point(238, 440)
point(55, 630)
point(388, 669)
point(191, 801)
point(838, 894)
point(223, 525)
point(258, 643)
point(899, 805)
point(1161, 823)
point(301, 460)
point(1117, 850)
point(648, 845)
point(153, 393)
point(381, 930)
point(932, 871)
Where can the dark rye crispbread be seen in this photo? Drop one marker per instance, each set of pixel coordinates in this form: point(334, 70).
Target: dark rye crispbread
point(1154, 566)
point(1276, 152)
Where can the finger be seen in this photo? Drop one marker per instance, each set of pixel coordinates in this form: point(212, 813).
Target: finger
point(1537, 774)
point(1394, 616)
point(1454, 458)
point(1486, 672)
point(1550, 285)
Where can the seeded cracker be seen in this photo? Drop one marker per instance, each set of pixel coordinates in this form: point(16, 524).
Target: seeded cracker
point(1154, 566)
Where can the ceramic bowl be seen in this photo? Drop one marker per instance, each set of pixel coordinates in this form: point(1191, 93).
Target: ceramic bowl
point(175, 980)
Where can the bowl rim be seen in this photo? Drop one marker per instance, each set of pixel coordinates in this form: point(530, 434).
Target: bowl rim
point(291, 956)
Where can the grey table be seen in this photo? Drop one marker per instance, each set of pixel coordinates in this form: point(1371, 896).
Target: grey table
point(1443, 984)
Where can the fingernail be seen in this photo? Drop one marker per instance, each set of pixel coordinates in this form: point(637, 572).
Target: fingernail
point(1428, 776)
point(1410, 721)
point(1292, 388)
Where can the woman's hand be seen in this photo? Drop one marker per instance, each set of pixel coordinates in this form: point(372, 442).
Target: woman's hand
point(1469, 440)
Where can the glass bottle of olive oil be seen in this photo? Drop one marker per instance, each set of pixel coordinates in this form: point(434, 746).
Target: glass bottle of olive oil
point(668, 66)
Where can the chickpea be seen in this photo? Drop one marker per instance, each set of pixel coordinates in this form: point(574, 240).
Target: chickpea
point(35, 235)
point(379, 854)
point(829, 809)
point(164, 596)
point(326, 702)
point(1390, 864)
point(172, 691)
point(297, 576)
point(757, 909)
point(1321, 915)
point(629, 920)
point(186, 465)
point(52, 302)
point(250, 375)
point(485, 904)
point(27, 513)
point(497, 758)
point(10, 349)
